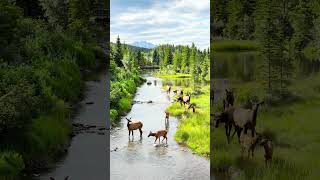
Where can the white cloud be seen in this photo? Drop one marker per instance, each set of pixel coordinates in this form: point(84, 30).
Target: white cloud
point(175, 22)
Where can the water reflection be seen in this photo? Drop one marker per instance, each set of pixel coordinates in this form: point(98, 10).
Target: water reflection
point(247, 66)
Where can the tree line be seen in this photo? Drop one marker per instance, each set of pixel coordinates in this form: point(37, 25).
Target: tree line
point(285, 31)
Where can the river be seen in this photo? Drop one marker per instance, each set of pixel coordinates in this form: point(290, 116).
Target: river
point(139, 158)
point(87, 155)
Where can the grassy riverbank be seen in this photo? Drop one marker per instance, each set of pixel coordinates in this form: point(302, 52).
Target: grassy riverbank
point(193, 129)
point(293, 127)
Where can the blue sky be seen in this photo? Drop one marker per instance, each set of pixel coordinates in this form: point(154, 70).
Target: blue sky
point(161, 21)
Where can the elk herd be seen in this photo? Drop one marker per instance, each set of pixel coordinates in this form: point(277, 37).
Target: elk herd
point(137, 125)
point(242, 120)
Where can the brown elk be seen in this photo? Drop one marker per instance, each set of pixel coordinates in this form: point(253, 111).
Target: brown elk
point(169, 90)
point(134, 125)
point(184, 99)
point(229, 100)
point(167, 116)
point(158, 134)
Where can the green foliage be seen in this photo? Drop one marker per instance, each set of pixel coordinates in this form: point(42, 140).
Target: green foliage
point(56, 12)
point(234, 45)
point(113, 115)
point(11, 164)
point(40, 69)
point(194, 128)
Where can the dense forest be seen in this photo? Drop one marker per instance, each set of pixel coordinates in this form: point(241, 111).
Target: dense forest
point(283, 30)
point(46, 48)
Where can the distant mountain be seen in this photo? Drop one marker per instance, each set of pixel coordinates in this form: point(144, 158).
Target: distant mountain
point(143, 44)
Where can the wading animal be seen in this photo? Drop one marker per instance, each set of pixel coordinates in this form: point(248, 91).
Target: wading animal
point(229, 100)
point(158, 134)
point(167, 116)
point(169, 90)
point(134, 125)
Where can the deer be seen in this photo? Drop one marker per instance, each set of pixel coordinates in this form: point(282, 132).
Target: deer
point(184, 99)
point(134, 125)
point(169, 90)
point(158, 134)
point(229, 100)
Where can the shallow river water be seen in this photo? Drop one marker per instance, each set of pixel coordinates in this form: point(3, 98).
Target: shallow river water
point(139, 158)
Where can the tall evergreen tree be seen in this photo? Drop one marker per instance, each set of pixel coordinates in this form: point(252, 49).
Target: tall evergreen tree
point(118, 53)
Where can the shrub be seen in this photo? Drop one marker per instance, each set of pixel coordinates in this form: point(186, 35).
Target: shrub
point(11, 164)
point(113, 115)
point(124, 104)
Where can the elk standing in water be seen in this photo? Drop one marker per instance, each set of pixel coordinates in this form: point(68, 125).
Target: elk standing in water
point(167, 120)
point(169, 90)
point(158, 134)
point(134, 125)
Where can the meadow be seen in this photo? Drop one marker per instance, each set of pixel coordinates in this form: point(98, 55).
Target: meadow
point(292, 126)
point(194, 128)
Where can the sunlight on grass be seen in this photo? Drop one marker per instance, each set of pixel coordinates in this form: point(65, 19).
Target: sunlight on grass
point(194, 130)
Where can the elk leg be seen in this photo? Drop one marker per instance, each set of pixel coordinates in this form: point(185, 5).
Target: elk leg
point(132, 133)
point(253, 131)
point(159, 140)
point(239, 133)
point(140, 132)
point(129, 133)
point(155, 140)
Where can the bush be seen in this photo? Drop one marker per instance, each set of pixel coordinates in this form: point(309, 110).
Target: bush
point(124, 104)
point(113, 115)
point(11, 164)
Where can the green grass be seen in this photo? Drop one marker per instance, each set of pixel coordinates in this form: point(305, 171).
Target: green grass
point(295, 132)
point(234, 45)
point(193, 129)
point(174, 76)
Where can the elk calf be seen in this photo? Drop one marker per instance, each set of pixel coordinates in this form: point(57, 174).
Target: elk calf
point(158, 134)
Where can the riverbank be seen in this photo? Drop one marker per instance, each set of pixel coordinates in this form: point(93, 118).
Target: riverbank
point(168, 160)
point(194, 128)
point(292, 126)
point(122, 90)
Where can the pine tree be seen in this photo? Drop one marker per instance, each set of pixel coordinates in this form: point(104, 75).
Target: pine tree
point(155, 57)
point(118, 53)
point(177, 60)
point(185, 59)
